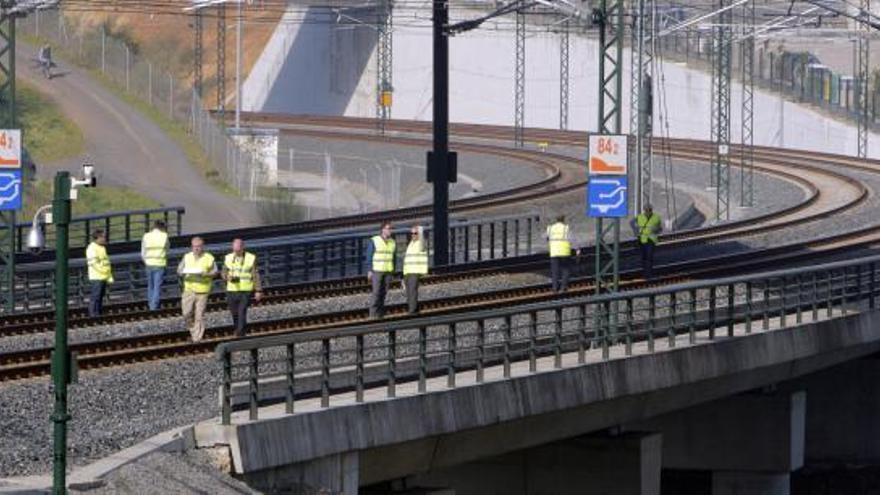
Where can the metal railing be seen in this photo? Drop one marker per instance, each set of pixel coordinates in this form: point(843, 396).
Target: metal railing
point(420, 352)
point(122, 226)
point(281, 261)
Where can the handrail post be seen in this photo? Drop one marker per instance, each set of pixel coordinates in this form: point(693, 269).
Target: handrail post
point(450, 366)
point(254, 385)
point(290, 377)
point(481, 349)
point(392, 363)
point(730, 310)
point(673, 307)
point(630, 321)
point(226, 399)
point(748, 307)
point(582, 334)
point(533, 334)
point(359, 369)
point(557, 339)
point(423, 359)
point(692, 333)
point(325, 373)
point(507, 335)
point(652, 315)
point(712, 305)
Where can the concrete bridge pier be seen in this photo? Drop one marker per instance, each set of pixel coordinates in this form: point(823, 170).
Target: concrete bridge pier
point(843, 418)
point(626, 464)
point(750, 442)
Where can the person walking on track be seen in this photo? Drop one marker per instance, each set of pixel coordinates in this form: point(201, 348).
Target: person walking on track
point(154, 252)
point(559, 243)
point(646, 227)
point(198, 271)
point(242, 280)
point(381, 255)
point(100, 272)
point(415, 266)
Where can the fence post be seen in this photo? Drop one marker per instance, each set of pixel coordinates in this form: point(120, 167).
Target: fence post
point(170, 96)
point(103, 47)
point(127, 69)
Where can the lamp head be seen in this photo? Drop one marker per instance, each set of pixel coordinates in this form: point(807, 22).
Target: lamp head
point(36, 242)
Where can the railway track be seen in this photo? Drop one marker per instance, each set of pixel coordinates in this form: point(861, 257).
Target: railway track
point(43, 321)
point(120, 351)
point(35, 362)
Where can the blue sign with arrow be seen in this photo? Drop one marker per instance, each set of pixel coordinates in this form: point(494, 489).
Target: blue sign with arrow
point(607, 196)
point(10, 189)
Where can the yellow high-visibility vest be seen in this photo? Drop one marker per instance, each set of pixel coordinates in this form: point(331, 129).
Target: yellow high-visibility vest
point(242, 268)
point(99, 263)
point(155, 248)
point(383, 254)
point(415, 261)
point(648, 227)
point(559, 245)
point(200, 284)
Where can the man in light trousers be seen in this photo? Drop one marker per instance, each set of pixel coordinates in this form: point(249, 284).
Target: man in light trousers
point(198, 271)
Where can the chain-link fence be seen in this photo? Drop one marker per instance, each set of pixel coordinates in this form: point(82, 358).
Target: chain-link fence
point(122, 64)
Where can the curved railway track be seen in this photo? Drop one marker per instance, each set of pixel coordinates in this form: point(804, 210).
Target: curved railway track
point(43, 321)
point(793, 166)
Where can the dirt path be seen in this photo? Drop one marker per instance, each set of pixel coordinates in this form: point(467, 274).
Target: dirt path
point(130, 150)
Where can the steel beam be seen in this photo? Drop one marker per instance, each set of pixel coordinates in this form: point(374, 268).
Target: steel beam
point(862, 87)
point(747, 153)
point(564, 75)
point(721, 64)
point(221, 60)
point(8, 120)
point(384, 57)
point(520, 80)
point(610, 23)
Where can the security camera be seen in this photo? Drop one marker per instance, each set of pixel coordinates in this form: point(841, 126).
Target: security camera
point(89, 179)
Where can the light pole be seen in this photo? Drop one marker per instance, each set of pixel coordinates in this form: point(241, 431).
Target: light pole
point(64, 191)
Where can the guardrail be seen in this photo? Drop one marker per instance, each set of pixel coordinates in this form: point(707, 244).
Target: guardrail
point(122, 226)
point(315, 257)
point(389, 354)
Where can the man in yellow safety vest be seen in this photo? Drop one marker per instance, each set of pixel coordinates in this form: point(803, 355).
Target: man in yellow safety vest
point(415, 265)
point(100, 271)
point(381, 255)
point(242, 279)
point(559, 244)
point(154, 252)
point(198, 271)
point(646, 226)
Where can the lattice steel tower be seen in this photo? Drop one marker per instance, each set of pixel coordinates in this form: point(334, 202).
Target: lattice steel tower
point(610, 22)
point(641, 98)
point(721, 110)
point(520, 80)
point(384, 58)
point(563, 75)
point(863, 76)
point(7, 121)
point(747, 152)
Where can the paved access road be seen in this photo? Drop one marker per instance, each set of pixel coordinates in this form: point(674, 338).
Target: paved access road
point(130, 150)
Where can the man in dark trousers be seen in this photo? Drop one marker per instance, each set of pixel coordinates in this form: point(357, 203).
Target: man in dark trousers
point(559, 241)
point(646, 227)
point(381, 257)
point(242, 280)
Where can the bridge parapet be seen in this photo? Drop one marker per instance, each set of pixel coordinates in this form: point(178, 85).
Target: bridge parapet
point(498, 380)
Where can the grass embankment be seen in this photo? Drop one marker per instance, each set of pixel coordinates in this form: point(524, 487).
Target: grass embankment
point(50, 136)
